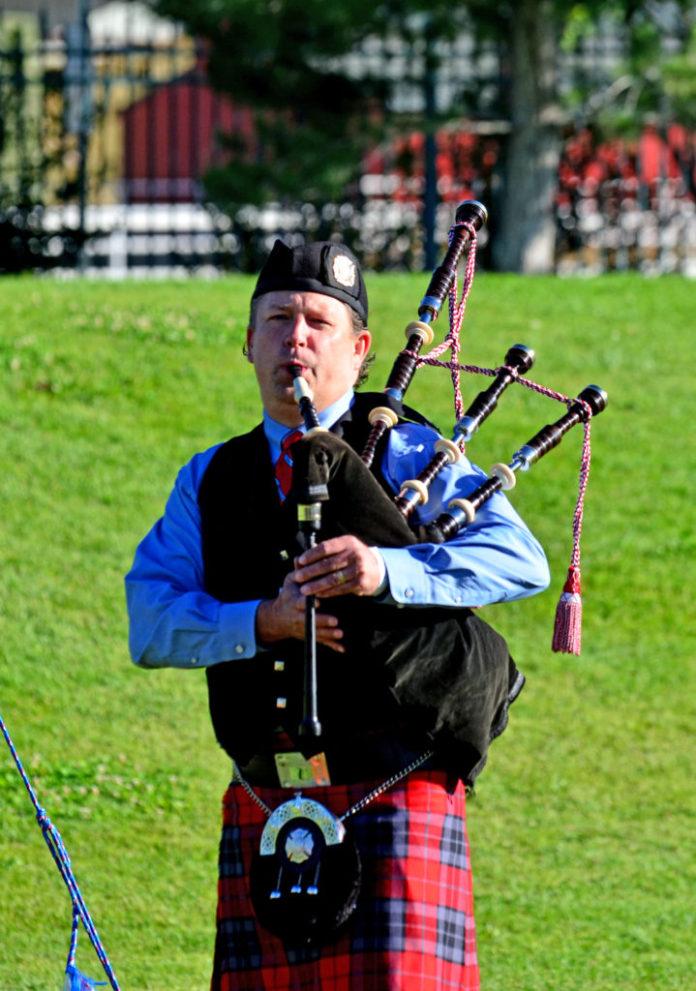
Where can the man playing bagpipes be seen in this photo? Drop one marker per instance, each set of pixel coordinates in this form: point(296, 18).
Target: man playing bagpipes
point(344, 861)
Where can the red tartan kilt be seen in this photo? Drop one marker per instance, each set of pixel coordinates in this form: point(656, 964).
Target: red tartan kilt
point(413, 929)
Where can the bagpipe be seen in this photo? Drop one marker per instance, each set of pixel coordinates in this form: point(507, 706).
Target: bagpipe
point(381, 520)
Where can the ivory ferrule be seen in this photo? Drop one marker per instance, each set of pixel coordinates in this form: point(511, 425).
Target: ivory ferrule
point(449, 448)
point(382, 414)
point(424, 331)
point(414, 490)
point(462, 510)
point(506, 475)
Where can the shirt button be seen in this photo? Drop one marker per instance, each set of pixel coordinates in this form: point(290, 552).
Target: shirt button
point(239, 648)
point(408, 593)
point(194, 660)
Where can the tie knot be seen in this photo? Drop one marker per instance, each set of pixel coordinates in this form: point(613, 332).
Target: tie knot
point(283, 466)
point(289, 439)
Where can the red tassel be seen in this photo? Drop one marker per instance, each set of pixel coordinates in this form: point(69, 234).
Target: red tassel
point(567, 630)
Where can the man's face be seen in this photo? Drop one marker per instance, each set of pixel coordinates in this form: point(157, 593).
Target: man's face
point(310, 330)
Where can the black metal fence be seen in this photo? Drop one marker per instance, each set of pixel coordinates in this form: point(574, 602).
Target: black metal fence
point(108, 125)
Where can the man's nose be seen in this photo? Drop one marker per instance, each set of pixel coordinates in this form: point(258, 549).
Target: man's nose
point(297, 330)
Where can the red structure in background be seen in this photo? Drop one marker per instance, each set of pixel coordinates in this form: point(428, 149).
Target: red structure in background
point(173, 136)
point(464, 164)
point(632, 165)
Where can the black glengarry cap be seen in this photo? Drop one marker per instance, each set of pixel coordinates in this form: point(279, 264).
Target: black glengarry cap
point(321, 266)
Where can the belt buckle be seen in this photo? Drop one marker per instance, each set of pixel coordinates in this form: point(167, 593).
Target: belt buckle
point(296, 771)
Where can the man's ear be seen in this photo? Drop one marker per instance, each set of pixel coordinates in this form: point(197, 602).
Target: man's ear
point(249, 346)
point(363, 342)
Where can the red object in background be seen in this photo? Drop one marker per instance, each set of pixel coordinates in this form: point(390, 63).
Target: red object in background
point(171, 140)
point(651, 150)
point(678, 137)
point(646, 161)
point(657, 156)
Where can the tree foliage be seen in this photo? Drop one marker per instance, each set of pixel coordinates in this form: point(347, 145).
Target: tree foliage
point(679, 81)
point(316, 114)
point(653, 79)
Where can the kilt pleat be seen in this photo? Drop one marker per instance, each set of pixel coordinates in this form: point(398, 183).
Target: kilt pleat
point(413, 929)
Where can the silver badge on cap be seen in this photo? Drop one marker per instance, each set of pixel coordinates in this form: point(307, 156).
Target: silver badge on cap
point(344, 271)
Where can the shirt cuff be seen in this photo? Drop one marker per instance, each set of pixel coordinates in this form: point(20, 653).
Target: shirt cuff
point(238, 629)
point(405, 581)
point(383, 580)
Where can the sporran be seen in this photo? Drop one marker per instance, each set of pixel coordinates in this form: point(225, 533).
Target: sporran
point(305, 878)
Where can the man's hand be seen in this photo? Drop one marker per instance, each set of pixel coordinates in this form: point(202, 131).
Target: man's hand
point(340, 566)
point(283, 618)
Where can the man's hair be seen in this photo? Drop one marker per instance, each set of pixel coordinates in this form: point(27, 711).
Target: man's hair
point(357, 324)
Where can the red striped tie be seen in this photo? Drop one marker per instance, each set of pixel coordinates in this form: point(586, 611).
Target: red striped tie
point(283, 466)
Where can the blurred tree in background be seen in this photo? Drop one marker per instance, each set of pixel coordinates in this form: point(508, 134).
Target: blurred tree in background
point(316, 117)
point(540, 107)
point(25, 244)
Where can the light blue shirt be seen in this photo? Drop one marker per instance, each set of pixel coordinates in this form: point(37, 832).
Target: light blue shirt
point(174, 622)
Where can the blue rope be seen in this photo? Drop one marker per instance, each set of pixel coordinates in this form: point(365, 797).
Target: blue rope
point(74, 980)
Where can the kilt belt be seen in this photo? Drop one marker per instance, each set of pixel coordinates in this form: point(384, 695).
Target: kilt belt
point(355, 760)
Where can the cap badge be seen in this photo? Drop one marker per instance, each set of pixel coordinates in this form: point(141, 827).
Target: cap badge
point(344, 271)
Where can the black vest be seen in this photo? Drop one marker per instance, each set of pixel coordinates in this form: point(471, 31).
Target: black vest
point(419, 674)
point(248, 542)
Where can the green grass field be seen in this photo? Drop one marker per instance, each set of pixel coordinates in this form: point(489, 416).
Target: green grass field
point(582, 827)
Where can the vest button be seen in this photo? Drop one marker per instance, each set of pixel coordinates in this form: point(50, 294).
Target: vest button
point(239, 648)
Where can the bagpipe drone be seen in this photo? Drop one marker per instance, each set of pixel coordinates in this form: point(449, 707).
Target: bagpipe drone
point(317, 456)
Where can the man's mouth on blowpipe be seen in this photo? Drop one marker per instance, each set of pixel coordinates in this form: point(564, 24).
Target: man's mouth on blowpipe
point(295, 368)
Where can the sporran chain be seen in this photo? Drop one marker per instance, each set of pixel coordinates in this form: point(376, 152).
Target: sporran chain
point(240, 779)
point(386, 785)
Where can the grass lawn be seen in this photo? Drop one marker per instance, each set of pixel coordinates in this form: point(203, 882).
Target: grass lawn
point(582, 826)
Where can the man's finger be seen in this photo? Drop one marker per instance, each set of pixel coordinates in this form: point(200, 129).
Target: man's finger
point(320, 586)
point(326, 566)
point(326, 622)
point(334, 645)
point(316, 553)
point(327, 548)
point(330, 587)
